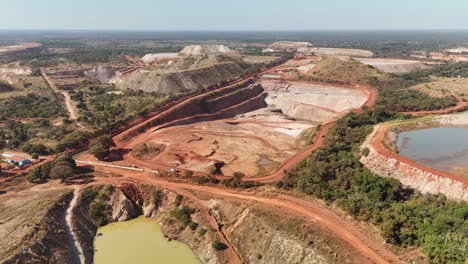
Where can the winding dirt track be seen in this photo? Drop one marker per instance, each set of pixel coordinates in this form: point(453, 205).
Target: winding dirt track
point(73, 115)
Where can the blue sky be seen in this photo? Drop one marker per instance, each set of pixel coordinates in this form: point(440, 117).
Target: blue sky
point(234, 14)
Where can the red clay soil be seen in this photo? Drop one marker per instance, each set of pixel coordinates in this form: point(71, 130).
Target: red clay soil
point(377, 142)
point(276, 176)
point(341, 228)
point(119, 134)
point(461, 106)
point(292, 162)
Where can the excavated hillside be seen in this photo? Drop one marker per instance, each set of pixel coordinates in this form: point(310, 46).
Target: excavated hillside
point(31, 226)
point(345, 70)
point(193, 79)
point(225, 103)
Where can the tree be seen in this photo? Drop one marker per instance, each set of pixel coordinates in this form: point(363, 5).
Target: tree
point(61, 171)
point(100, 146)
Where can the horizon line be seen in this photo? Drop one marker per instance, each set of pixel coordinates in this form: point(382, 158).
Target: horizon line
point(228, 30)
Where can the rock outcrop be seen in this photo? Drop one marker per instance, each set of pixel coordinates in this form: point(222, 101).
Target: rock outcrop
point(123, 209)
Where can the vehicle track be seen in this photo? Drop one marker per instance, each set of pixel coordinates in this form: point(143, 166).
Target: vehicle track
point(73, 115)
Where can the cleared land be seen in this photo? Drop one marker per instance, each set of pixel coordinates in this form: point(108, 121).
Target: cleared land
point(441, 87)
point(339, 52)
point(257, 142)
point(395, 65)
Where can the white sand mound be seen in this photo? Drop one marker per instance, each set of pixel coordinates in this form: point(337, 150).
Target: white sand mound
point(338, 52)
point(205, 49)
point(459, 50)
point(290, 45)
point(155, 57)
point(104, 74)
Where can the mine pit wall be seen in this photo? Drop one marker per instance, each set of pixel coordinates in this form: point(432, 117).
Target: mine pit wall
point(421, 180)
point(229, 102)
point(124, 209)
point(244, 107)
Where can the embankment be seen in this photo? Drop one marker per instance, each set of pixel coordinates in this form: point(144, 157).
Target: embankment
point(223, 103)
point(45, 243)
point(386, 163)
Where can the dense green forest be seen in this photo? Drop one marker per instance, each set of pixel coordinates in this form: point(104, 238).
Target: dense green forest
point(405, 217)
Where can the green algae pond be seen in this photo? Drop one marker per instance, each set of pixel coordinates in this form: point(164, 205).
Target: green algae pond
point(441, 148)
point(139, 241)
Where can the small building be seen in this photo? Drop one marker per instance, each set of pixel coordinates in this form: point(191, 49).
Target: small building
point(20, 161)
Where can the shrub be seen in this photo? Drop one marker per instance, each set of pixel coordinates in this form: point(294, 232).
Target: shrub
point(178, 200)
point(183, 215)
point(201, 232)
point(100, 146)
point(193, 225)
point(218, 245)
point(98, 211)
point(89, 194)
point(365, 152)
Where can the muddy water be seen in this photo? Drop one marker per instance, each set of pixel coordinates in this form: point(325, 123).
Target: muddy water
point(441, 148)
point(139, 241)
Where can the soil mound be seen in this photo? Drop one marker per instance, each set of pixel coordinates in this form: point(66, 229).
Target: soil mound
point(338, 52)
point(205, 50)
point(290, 45)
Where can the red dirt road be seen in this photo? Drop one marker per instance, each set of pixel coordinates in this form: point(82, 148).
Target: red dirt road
point(461, 106)
point(364, 246)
